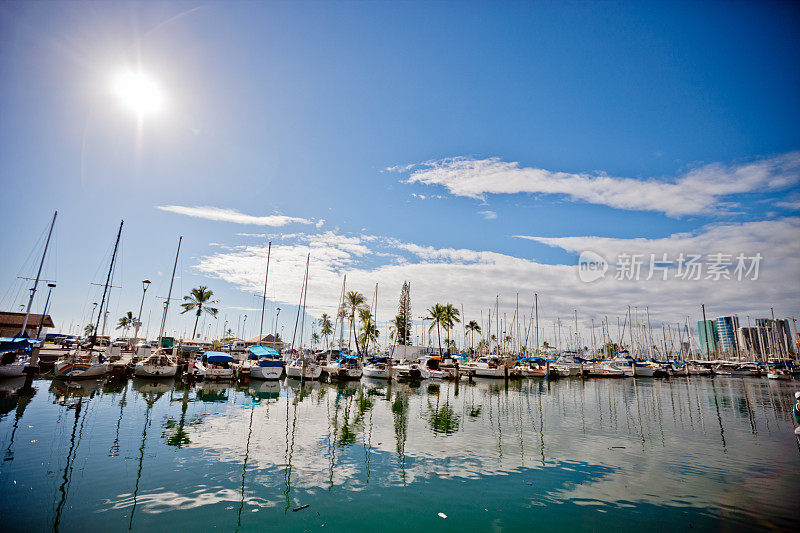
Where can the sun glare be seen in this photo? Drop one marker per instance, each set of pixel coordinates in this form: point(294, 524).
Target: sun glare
point(138, 93)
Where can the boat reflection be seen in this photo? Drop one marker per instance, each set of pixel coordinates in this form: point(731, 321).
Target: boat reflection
point(244, 449)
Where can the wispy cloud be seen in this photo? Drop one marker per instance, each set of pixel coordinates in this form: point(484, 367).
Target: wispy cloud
point(488, 215)
point(792, 204)
point(700, 190)
point(474, 277)
point(231, 215)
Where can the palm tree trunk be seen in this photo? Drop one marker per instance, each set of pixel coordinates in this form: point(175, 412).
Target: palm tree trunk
point(439, 337)
point(195, 323)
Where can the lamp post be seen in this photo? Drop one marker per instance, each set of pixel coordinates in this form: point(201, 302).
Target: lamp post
point(46, 303)
point(244, 326)
point(138, 324)
point(277, 314)
point(91, 317)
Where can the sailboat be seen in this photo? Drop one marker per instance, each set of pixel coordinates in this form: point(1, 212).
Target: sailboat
point(14, 349)
point(91, 363)
point(267, 362)
point(302, 367)
point(377, 368)
point(159, 364)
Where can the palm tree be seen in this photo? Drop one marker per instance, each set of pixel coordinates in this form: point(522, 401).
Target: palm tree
point(326, 328)
point(369, 331)
point(125, 322)
point(437, 315)
point(314, 339)
point(199, 299)
point(353, 301)
point(473, 328)
point(88, 329)
point(451, 316)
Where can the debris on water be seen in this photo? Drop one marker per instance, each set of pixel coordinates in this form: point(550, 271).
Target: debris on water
point(380, 443)
point(442, 515)
point(529, 483)
point(300, 508)
point(617, 447)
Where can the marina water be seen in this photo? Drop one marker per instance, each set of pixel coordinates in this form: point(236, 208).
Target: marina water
point(701, 453)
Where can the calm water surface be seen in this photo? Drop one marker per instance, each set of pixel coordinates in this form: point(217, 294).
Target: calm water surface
point(701, 453)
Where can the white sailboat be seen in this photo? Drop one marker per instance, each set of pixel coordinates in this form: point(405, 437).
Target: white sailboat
point(216, 366)
point(159, 364)
point(486, 367)
point(411, 370)
point(265, 362)
point(91, 363)
point(14, 349)
point(346, 367)
point(303, 368)
point(377, 368)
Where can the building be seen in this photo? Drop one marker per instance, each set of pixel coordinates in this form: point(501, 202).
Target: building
point(11, 324)
point(267, 340)
point(726, 333)
point(753, 340)
point(709, 339)
point(779, 336)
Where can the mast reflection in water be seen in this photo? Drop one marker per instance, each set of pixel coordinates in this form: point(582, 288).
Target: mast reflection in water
point(699, 452)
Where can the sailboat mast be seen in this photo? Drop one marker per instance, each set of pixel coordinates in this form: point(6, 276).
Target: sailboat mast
point(108, 281)
point(38, 275)
point(264, 299)
point(536, 308)
point(169, 294)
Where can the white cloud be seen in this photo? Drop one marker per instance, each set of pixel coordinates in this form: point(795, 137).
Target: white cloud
point(488, 215)
point(700, 190)
point(320, 222)
point(231, 215)
point(473, 277)
point(794, 205)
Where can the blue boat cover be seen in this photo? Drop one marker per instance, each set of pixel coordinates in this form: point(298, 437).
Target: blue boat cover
point(218, 357)
point(262, 351)
point(8, 344)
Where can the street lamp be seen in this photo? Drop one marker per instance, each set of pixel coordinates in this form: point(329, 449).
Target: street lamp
point(244, 325)
point(91, 317)
point(277, 314)
point(138, 324)
point(46, 303)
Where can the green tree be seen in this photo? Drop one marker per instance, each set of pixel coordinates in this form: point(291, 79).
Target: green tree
point(442, 316)
point(314, 339)
point(326, 328)
point(88, 329)
point(369, 330)
point(451, 316)
point(125, 322)
point(473, 328)
point(354, 301)
point(402, 321)
point(199, 299)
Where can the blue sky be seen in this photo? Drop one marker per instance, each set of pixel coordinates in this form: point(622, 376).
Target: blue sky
point(298, 109)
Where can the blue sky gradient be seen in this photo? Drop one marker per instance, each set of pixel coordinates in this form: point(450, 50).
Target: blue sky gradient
point(299, 108)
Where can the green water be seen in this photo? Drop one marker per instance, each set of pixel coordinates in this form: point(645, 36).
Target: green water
point(700, 453)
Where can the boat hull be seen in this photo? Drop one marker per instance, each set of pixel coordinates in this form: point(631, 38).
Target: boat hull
point(272, 372)
point(69, 370)
point(376, 373)
point(218, 374)
point(12, 370)
point(155, 371)
point(311, 372)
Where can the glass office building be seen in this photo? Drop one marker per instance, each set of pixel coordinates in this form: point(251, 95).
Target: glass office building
point(726, 332)
point(708, 337)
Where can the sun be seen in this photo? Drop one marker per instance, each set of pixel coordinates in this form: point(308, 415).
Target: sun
point(139, 93)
